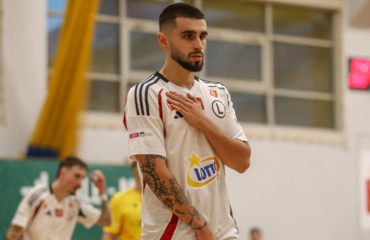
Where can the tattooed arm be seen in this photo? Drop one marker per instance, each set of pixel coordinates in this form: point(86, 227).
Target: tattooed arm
point(14, 233)
point(165, 186)
point(105, 219)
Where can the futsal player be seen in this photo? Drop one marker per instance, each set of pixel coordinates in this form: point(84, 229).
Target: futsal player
point(183, 132)
point(126, 207)
point(51, 212)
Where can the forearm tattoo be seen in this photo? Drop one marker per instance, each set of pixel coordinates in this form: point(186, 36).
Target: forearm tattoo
point(169, 193)
point(105, 217)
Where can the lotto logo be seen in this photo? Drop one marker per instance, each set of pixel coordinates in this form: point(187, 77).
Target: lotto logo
point(202, 172)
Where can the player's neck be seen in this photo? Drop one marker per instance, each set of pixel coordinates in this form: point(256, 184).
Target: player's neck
point(178, 75)
point(58, 191)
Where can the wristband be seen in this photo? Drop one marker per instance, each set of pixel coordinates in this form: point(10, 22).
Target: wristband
point(104, 197)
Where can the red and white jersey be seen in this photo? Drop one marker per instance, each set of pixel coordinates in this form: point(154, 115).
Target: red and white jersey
point(44, 218)
point(155, 128)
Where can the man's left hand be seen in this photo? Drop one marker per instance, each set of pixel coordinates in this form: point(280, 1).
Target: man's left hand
point(99, 180)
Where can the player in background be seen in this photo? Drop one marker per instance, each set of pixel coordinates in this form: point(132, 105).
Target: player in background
point(183, 132)
point(126, 208)
point(255, 234)
point(51, 212)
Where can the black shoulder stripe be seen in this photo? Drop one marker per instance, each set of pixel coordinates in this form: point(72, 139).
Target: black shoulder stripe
point(141, 94)
point(136, 89)
point(36, 194)
point(137, 107)
point(147, 96)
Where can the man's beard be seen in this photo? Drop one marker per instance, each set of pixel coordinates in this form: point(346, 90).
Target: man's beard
point(191, 67)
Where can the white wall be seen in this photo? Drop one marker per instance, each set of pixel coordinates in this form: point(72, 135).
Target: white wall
point(293, 190)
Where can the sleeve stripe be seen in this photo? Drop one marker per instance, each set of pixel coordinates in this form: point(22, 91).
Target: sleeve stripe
point(136, 94)
point(36, 194)
point(141, 93)
point(147, 95)
point(137, 107)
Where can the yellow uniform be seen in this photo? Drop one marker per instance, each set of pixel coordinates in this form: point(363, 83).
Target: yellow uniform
point(125, 209)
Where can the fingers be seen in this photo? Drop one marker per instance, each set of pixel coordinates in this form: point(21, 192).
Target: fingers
point(191, 97)
point(178, 106)
point(97, 175)
point(178, 97)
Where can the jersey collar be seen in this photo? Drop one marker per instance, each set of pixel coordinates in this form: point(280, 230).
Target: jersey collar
point(192, 91)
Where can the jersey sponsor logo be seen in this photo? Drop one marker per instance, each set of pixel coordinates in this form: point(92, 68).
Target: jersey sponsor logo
point(202, 172)
point(134, 135)
point(145, 134)
point(218, 108)
point(59, 212)
point(141, 134)
point(213, 92)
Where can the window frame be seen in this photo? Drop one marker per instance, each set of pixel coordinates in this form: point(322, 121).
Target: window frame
point(265, 86)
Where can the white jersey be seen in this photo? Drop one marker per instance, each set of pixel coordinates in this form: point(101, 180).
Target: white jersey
point(44, 218)
point(157, 129)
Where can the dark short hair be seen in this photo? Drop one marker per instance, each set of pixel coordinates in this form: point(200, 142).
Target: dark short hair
point(70, 162)
point(173, 11)
point(255, 230)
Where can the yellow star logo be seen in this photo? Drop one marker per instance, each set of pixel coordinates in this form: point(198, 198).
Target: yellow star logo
point(194, 160)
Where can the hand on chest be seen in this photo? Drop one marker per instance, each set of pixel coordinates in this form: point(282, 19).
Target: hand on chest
point(183, 108)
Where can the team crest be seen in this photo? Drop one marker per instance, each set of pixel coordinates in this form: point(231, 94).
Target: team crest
point(202, 172)
point(169, 105)
point(213, 92)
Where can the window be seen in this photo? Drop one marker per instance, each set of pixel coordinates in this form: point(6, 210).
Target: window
point(277, 60)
